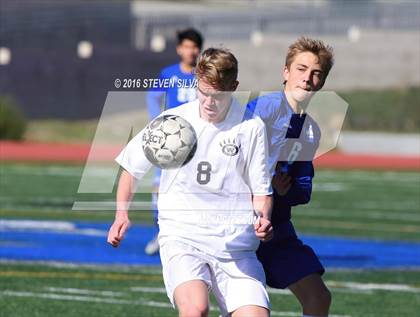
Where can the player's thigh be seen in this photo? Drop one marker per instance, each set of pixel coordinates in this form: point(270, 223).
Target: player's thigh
point(191, 298)
point(251, 311)
point(182, 263)
point(311, 288)
point(239, 283)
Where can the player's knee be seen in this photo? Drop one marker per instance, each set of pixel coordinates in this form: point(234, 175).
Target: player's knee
point(320, 300)
point(194, 310)
point(325, 298)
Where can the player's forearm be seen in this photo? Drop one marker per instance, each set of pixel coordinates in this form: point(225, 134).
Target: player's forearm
point(300, 192)
point(264, 205)
point(125, 193)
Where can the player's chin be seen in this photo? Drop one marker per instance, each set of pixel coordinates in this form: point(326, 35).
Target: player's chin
point(301, 94)
point(191, 60)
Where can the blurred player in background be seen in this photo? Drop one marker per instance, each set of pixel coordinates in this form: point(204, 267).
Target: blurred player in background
point(294, 138)
point(208, 235)
point(181, 90)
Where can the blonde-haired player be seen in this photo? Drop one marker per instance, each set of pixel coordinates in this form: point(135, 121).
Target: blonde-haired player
point(294, 138)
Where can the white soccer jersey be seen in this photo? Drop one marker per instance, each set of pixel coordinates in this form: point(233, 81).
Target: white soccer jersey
point(207, 203)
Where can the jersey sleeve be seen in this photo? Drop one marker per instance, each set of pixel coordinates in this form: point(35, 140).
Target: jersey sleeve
point(262, 107)
point(259, 179)
point(301, 189)
point(132, 157)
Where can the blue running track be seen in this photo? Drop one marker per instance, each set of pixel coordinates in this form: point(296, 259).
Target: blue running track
point(84, 242)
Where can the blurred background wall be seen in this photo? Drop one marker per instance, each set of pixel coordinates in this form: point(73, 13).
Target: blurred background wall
point(58, 59)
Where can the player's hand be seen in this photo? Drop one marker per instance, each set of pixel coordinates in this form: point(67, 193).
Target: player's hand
point(118, 229)
point(281, 183)
point(263, 229)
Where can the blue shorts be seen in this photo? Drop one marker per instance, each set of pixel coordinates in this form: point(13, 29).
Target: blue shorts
point(286, 259)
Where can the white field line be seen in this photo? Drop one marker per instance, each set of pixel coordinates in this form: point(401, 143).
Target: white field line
point(154, 304)
point(84, 298)
point(352, 286)
point(48, 171)
point(161, 290)
point(66, 171)
point(276, 291)
point(347, 214)
point(135, 206)
point(69, 227)
point(39, 200)
point(351, 291)
point(145, 289)
point(84, 291)
point(339, 289)
point(50, 226)
point(329, 187)
point(350, 225)
point(368, 176)
point(375, 286)
point(408, 206)
point(112, 268)
point(337, 285)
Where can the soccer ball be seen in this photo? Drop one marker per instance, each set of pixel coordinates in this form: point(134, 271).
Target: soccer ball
point(169, 141)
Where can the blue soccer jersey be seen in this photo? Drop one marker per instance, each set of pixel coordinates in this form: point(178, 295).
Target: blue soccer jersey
point(293, 140)
point(176, 88)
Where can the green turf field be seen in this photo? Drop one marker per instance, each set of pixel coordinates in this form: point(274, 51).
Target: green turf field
point(380, 205)
point(376, 204)
point(39, 290)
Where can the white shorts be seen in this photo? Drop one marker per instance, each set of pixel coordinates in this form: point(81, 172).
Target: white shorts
point(235, 283)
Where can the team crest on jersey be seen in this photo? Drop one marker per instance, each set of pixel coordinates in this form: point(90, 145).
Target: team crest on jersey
point(310, 133)
point(229, 147)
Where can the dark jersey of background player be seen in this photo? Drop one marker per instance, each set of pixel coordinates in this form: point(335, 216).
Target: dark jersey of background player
point(179, 88)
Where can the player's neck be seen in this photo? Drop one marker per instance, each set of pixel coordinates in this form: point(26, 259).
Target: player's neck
point(296, 106)
point(292, 102)
point(186, 68)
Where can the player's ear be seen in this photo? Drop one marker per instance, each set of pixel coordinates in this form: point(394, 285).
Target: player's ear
point(178, 49)
point(286, 73)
